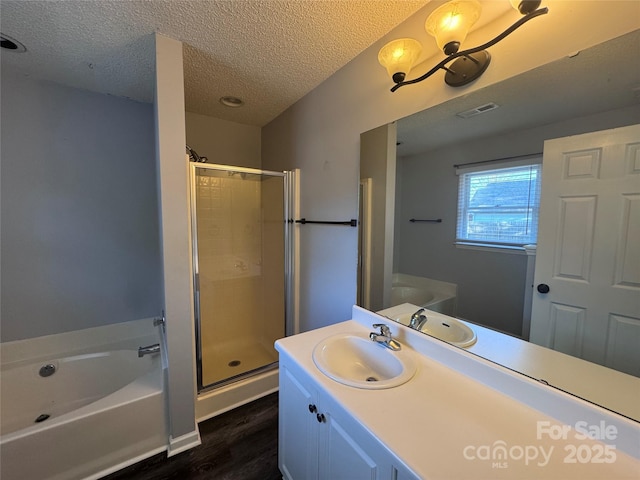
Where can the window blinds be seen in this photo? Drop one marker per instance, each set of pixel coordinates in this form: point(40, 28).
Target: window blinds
point(498, 204)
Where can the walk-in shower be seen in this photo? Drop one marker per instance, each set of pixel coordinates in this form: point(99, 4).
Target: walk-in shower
point(240, 267)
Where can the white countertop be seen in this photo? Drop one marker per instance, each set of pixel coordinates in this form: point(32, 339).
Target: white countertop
point(443, 422)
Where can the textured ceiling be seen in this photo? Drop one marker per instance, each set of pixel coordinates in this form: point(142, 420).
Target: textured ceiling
point(270, 53)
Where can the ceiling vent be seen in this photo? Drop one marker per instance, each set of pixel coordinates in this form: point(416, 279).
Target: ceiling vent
point(478, 110)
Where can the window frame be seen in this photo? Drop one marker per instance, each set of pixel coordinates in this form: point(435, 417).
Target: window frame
point(462, 210)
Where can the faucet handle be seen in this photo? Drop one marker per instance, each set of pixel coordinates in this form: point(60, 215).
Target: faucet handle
point(384, 329)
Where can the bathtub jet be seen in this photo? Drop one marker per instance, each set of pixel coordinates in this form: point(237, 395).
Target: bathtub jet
point(41, 418)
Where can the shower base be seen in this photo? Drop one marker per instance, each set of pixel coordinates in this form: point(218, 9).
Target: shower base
point(236, 385)
point(235, 357)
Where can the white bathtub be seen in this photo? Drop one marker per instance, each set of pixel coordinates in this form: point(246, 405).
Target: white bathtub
point(105, 410)
point(426, 292)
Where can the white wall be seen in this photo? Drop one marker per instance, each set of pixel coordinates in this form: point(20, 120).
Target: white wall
point(175, 224)
point(491, 285)
point(224, 142)
point(320, 134)
point(79, 225)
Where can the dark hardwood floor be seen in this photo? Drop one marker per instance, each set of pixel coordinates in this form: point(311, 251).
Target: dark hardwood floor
point(238, 445)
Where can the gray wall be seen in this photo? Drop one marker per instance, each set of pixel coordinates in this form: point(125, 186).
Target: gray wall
point(224, 142)
point(491, 285)
point(175, 226)
point(80, 237)
point(378, 162)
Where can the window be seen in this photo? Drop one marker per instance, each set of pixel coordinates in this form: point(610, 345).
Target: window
point(498, 205)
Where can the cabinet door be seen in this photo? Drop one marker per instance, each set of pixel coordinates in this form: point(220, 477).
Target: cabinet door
point(342, 457)
point(298, 429)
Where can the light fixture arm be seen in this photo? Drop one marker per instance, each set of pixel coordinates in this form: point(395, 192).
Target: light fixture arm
point(470, 51)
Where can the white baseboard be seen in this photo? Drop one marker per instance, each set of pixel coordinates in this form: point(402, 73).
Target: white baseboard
point(183, 442)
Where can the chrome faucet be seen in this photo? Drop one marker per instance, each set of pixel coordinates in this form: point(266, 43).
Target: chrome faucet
point(418, 320)
point(384, 337)
point(148, 350)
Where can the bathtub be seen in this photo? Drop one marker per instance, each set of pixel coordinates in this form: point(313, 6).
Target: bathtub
point(428, 293)
point(99, 411)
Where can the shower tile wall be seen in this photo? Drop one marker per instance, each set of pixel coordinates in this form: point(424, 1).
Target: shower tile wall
point(232, 295)
point(228, 247)
point(228, 217)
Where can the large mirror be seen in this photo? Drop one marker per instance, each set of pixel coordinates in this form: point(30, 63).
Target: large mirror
point(409, 193)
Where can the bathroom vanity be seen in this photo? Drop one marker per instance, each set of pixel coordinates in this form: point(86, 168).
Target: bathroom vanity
point(456, 416)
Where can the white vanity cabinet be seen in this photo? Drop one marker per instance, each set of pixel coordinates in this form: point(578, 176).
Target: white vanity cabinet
point(318, 439)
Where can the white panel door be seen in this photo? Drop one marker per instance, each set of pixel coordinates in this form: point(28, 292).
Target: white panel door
point(588, 256)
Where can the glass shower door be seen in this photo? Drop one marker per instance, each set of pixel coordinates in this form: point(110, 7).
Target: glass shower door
point(238, 219)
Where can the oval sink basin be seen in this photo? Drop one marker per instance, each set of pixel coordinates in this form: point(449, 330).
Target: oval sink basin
point(359, 362)
point(448, 329)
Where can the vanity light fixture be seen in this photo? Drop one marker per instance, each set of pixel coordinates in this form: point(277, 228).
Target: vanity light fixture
point(449, 24)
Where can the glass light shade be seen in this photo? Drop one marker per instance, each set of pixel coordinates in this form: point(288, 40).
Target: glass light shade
point(451, 22)
point(399, 56)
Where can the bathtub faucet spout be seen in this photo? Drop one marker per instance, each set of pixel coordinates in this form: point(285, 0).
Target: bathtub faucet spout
point(148, 350)
point(418, 320)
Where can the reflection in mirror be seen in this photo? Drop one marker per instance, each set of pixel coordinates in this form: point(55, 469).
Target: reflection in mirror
point(490, 288)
